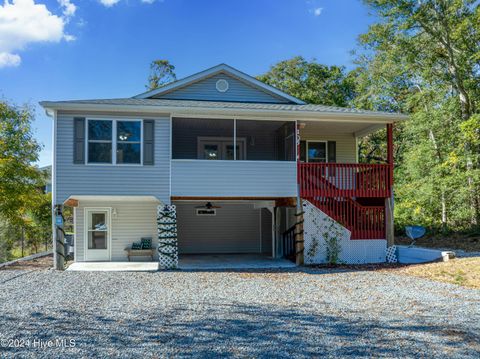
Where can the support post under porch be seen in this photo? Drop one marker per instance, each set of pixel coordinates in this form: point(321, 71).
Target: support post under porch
point(389, 217)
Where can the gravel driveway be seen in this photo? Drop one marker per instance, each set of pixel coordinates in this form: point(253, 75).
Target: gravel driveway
point(300, 313)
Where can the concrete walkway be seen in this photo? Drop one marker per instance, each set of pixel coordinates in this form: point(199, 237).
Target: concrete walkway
point(114, 266)
point(231, 261)
point(190, 262)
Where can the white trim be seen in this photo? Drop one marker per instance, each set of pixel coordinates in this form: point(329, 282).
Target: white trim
point(109, 231)
point(75, 234)
point(356, 149)
point(219, 83)
point(113, 141)
point(274, 244)
point(260, 225)
point(170, 159)
point(316, 141)
point(213, 71)
point(235, 142)
point(114, 198)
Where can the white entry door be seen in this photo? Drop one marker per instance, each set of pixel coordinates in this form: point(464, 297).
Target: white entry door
point(97, 234)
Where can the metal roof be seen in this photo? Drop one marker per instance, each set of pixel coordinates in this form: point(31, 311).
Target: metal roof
point(214, 105)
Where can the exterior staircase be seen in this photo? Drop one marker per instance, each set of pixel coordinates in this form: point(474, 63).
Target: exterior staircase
point(352, 194)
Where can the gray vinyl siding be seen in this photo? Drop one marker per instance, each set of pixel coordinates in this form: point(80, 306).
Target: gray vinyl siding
point(266, 223)
point(234, 229)
point(238, 91)
point(81, 179)
point(234, 178)
point(346, 142)
point(134, 220)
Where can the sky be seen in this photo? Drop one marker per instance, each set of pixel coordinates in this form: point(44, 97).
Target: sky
point(84, 49)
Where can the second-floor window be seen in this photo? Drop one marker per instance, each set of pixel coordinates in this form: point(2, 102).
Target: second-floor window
point(114, 141)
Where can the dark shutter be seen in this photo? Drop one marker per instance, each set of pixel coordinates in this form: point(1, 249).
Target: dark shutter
point(332, 151)
point(148, 142)
point(79, 140)
point(303, 151)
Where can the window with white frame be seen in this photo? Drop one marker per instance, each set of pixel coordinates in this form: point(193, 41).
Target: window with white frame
point(114, 141)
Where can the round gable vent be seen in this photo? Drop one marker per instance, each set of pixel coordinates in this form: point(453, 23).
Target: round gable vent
point(222, 85)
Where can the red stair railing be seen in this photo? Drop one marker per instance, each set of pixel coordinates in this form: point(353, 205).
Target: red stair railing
point(333, 188)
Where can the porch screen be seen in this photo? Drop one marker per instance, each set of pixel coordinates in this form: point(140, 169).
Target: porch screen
point(267, 140)
point(203, 139)
point(215, 139)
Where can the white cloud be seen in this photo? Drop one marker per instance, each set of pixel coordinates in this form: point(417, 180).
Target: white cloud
point(109, 3)
point(23, 22)
point(9, 60)
point(69, 38)
point(317, 11)
point(69, 8)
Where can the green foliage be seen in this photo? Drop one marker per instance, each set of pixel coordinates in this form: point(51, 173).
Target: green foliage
point(18, 150)
point(162, 72)
point(422, 57)
point(311, 82)
point(331, 237)
point(24, 209)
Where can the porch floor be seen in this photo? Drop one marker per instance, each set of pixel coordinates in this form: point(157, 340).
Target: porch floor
point(231, 261)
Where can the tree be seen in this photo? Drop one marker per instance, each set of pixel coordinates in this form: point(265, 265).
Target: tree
point(312, 82)
point(20, 179)
point(161, 73)
point(18, 151)
point(423, 57)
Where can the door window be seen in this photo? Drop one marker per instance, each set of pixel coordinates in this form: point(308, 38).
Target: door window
point(97, 230)
point(220, 149)
point(316, 151)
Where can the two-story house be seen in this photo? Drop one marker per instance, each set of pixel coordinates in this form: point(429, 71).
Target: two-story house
point(223, 147)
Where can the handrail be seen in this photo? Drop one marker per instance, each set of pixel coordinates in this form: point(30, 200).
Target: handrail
point(344, 180)
point(364, 222)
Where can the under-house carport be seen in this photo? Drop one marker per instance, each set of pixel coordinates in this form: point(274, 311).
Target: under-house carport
point(225, 227)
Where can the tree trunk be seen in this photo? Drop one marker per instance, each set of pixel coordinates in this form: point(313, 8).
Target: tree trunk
point(431, 135)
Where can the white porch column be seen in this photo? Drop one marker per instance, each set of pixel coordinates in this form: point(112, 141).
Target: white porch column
point(167, 236)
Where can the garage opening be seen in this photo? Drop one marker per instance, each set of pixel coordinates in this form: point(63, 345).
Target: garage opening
point(210, 227)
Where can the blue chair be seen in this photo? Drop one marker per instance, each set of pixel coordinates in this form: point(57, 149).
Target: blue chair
point(414, 233)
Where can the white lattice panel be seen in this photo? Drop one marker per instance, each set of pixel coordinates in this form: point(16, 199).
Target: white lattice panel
point(167, 236)
point(317, 224)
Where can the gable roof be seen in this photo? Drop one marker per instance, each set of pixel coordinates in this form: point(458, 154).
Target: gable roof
point(222, 68)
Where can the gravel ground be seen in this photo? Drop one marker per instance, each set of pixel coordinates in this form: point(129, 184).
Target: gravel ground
point(299, 313)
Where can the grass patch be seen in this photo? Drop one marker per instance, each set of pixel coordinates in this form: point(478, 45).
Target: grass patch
point(460, 271)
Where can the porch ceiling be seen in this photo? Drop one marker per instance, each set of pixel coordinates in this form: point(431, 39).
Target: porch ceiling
point(112, 198)
point(335, 128)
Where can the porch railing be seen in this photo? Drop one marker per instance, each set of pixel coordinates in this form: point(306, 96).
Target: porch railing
point(364, 222)
point(344, 180)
